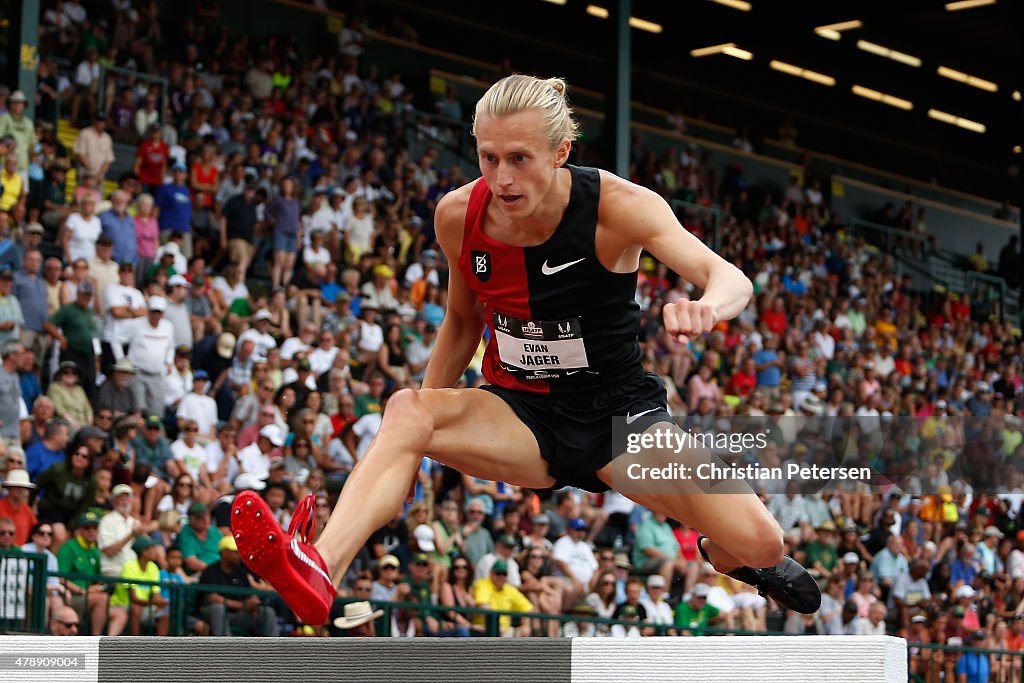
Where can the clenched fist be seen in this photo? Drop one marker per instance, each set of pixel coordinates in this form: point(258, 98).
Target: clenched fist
point(686, 318)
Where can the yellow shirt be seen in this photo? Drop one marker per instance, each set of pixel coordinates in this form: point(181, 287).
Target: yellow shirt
point(509, 598)
point(132, 570)
point(12, 185)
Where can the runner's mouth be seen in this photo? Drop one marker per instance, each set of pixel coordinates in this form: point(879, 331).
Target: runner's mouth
point(510, 199)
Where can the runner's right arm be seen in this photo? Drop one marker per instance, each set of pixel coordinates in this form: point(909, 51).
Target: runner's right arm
point(459, 335)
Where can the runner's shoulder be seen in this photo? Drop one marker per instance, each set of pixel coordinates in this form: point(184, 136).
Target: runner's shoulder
point(450, 216)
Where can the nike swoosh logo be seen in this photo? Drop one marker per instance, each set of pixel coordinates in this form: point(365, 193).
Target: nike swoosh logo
point(630, 419)
point(551, 270)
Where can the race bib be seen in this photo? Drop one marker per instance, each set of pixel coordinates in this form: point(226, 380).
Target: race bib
point(540, 349)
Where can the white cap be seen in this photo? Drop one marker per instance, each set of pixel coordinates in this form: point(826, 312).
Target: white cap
point(851, 558)
point(273, 432)
point(157, 303)
point(122, 490)
point(178, 281)
point(424, 538)
point(655, 581)
point(248, 481)
point(262, 314)
point(701, 590)
point(965, 591)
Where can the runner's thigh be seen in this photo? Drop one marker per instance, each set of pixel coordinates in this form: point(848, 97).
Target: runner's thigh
point(478, 434)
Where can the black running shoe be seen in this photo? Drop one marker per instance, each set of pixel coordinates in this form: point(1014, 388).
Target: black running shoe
point(787, 583)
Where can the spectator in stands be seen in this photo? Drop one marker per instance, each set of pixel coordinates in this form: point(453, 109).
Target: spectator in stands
point(15, 507)
point(43, 454)
point(81, 230)
point(574, 557)
point(15, 124)
point(70, 400)
point(66, 487)
point(151, 351)
point(64, 622)
point(231, 610)
point(238, 226)
point(117, 393)
point(199, 540)
point(283, 214)
point(694, 615)
point(174, 202)
point(496, 593)
point(121, 228)
point(142, 602)
point(94, 148)
point(30, 292)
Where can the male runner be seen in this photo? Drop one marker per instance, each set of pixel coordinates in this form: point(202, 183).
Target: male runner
point(547, 256)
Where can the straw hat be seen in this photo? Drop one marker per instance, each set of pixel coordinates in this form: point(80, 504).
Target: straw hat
point(357, 614)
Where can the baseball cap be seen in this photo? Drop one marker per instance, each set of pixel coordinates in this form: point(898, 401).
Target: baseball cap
point(500, 567)
point(152, 421)
point(157, 303)
point(196, 509)
point(182, 350)
point(993, 531)
point(35, 228)
point(276, 464)
point(919, 619)
point(389, 561)
point(125, 266)
point(226, 345)
point(227, 543)
point(122, 490)
point(965, 591)
point(304, 364)
point(178, 281)
point(655, 581)
point(6, 273)
point(86, 288)
point(142, 542)
point(201, 374)
point(851, 558)
point(424, 538)
point(17, 96)
point(262, 314)
point(94, 432)
point(701, 590)
point(248, 482)
point(273, 433)
point(541, 519)
point(179, 167)
point(420, 558)
point(88, 518)
point(383, 271)
point(578, 524)
point(959, 611)
point(507, 540)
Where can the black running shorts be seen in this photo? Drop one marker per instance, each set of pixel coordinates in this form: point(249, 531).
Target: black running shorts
point(574, 430)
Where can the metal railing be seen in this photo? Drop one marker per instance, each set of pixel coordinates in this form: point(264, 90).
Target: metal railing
point(22, 592)
point(23, 579)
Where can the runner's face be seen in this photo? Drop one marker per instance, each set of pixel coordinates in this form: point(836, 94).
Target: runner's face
point(517, 160)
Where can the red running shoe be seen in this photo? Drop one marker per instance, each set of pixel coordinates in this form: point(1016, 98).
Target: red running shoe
point(291, 565)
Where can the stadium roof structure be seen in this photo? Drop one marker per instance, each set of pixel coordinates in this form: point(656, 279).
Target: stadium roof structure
point(906, 83)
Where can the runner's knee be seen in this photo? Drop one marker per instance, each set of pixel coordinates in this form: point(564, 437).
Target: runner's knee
point(764, 545)
point(406, 411)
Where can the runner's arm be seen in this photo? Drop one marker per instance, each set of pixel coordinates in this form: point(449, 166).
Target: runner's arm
point(647, 220)
point(459, 336)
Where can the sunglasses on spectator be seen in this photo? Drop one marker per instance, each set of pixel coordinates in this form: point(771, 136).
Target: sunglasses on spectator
point(421, 564)
point(536, 557)
point(476, 512)
point(81, 454)
point(44, 532)
point(104, 417)
point(68, 624)
point(6, 532)
point(607, 583)
point(186, 484)
point(87, 527)
point(457, 567)
point(607, 558)
point(501, 573)
point(191, 429)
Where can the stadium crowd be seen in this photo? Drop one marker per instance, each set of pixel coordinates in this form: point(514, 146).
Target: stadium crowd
point(236, 313)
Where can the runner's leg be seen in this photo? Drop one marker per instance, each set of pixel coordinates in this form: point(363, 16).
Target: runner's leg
point(472, 431)
point(739, 529)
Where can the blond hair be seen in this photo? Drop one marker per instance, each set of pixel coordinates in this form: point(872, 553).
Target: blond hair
point(519, 92)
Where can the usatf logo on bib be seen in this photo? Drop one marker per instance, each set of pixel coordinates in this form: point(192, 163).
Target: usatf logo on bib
point(481, 265)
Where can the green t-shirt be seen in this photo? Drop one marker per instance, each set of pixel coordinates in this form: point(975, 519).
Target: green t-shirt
point(421, 593)
point(78, 325)
point(651, 534)
point(206, 550)
point(73, 557)
point(367, 404)
point(132, 571)
point(821, 552)
point(695, 621)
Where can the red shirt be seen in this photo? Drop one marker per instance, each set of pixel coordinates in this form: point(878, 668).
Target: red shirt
point(687, 543)
point(776, 321)
point(741, 384)
point(24, 520)
point(152, 157)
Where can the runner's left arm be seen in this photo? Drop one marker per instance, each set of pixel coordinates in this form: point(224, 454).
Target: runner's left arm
point(647, 220)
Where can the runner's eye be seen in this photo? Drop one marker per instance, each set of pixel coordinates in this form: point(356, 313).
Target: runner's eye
point(520, 158)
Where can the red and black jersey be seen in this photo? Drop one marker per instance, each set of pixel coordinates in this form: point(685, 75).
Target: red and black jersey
point(559, 321)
